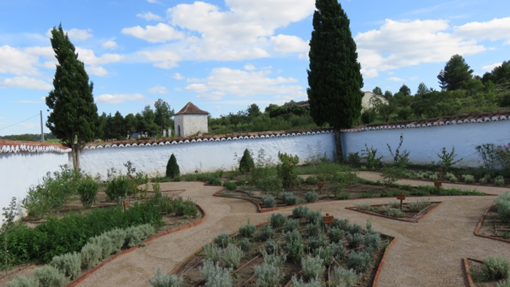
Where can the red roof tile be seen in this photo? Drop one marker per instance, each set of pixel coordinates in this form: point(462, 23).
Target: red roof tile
point(191, 109)
point(8, 146)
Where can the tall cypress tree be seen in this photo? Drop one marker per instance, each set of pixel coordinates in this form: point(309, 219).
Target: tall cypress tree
point(73, 114)
point(334, 77)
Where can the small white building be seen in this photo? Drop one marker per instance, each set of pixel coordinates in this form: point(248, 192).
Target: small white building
point(190, 121)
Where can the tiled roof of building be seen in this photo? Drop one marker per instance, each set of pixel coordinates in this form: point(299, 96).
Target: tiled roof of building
point(191, 109)
point(205, 138)
point(475, 117)
point(8, 146)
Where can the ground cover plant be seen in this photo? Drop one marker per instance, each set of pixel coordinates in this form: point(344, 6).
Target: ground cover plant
point(298, 249)
point(496, 222)
point(412, 209)
point(492, 271)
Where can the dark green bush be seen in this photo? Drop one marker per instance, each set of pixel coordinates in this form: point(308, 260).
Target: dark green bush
point(312, 180)
point(495, 268)
point(286, 169)
point(118, 189)
point(172, 168)
point(277, 220)
point(265, 232)
point(247, 230)
point(214, 181)
point(185, 207)
point(246, 163)
point(300, 211)
point(359, 261)
point(230, 185)
point(87, 189)
point(268, 201)
point(311, 196)
point(289, 198)
point(222, 240)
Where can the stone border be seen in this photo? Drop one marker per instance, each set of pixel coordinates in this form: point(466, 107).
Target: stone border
point(82, 278)
point(479, 226)
point(469, 278)
point(374, 283)
point(396, 218)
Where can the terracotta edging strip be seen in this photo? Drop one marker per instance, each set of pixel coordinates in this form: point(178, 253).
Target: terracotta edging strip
point(397, 218)
point(383, 260)
point(82, 278)
point(468, 270)
point(479, 226)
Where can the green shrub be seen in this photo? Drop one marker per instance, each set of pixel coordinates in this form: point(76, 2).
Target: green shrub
point(244, 244)
point(336, 234)
point(369, 154)
point(265, 232)
point(289, 198)
point(270, 184)
point(434, 176)
point(246, 163)
point(241, 181)
point(354, 159)
point(344, 277)
point(447, 159)
point(313, 267)
point(499, 180)
point(311, 196)
point(212, 252)
point(363, 207)
point(373, 241)
point(311, 180)
point(117, 237)
point(313, 229)
point(215, 276)
point(495, 268)
point(247, 230)
point(326, 254)
point(483, 180)
point(87, 189)
point(355, 240)
point(222, 240)
point(300, 211)
point(268, 275)
point(277, 220)
point(91, 255)
point(359, 261)
point(271, 246)
point(68, 264)
point(316, 241)
point(295, 250)
point(291, 224)
point(135, 235)
point(314, 217)
point(232, 256)
point(314, 282)
point(230, 185)
point(286, 169)
point(503, 283)
point(172, 168)
point(49, 276)
point(185, 207)
point(22, 281)
point(451, 177)
point(339, 251)
point(418, 205)
point(468, 178)
point(105, 242)
point(117, 189)
point(268, 201)
point(503, 206)
point(165, 280)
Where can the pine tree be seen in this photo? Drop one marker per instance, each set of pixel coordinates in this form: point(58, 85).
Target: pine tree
point(172, 168)
point(334, 76)
point(456, 74)
point(73, 114)
point(246, 163)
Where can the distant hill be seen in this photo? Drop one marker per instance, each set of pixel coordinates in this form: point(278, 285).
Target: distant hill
point(28, 137)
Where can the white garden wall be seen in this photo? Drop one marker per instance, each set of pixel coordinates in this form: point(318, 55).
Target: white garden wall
point(203, 156)
point(425, 143)
point(19, 171)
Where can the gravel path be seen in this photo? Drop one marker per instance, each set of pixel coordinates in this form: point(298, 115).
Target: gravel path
point(428, 253)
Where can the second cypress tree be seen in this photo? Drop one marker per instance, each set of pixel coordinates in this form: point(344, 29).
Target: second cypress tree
point(172, 168)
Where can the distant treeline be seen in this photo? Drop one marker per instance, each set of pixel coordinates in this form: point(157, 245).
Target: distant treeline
point(28, 137)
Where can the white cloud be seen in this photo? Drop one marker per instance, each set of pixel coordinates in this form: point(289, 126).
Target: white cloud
point(162, 58)
point(40, 101)
point(25, 82)
point(88, 57)
point(496, 29)
point(149, 16)
point(81, 35)
point(395, 79)
point(178, 76)
point(97, 71)
point(241, 83)
point(249, 67)
point(110, 44)
point(289, 44)
point(491, 67)
point(118, 98)
point(212, 96)
point(401, 44)
point(158, 90)
point(16, 61)
point(152, 1)
point(155, 34)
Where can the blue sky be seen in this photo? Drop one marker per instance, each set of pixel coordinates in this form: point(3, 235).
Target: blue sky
point(224, 55)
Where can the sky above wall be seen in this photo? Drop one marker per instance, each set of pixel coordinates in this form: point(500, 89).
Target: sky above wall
point(224, 55)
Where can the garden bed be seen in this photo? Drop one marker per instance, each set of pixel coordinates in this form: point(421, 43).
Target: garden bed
point(316, 239)
point(491, 226)
point(475, 274)
point(410, 212)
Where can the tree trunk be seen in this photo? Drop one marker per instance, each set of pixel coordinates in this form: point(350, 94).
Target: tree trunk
point(339, 150)
point(75, 150)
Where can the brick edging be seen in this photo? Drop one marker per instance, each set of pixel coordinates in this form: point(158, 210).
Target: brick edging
point(479, 226)
point(468, 270)
point(82, 278)
point(383, 260)
point(396, 218)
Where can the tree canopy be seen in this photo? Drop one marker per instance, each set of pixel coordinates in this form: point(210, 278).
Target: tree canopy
point(456, 74)
point(73, 114)
point(334, 76)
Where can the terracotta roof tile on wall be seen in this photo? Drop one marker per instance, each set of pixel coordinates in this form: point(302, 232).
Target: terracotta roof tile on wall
point(8, 146)
point(191, 109)
point(476, 117)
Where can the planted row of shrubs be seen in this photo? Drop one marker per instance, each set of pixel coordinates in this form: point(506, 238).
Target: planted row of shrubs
point(66, 267)
point(503, 206)
point(289, 198)
point(70, 233)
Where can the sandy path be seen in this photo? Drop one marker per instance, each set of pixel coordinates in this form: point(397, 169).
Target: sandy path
point(428, 253)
